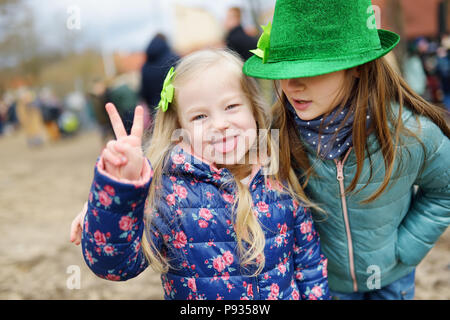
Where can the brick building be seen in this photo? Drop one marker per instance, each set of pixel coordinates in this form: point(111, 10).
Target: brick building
point(414, 18)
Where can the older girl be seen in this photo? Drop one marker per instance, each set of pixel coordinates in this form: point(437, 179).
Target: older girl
point(372, 153)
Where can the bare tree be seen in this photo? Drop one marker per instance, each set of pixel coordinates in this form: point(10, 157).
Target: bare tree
point(18, 41)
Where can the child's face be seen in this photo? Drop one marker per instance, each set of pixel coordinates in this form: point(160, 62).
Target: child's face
point(314, 96)
point(218, 117)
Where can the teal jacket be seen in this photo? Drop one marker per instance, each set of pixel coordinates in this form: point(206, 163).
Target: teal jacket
point(371, 245)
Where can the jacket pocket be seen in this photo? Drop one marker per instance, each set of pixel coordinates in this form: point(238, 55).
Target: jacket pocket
point(383, 258)
point(410, 250)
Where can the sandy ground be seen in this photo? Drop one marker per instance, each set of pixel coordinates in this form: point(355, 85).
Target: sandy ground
point(41, 190)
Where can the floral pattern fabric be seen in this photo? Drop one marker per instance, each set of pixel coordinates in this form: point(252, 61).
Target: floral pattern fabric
point(192, 224)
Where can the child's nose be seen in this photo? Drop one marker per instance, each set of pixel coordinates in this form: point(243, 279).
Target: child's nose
point(296, 84)
point(221, 122)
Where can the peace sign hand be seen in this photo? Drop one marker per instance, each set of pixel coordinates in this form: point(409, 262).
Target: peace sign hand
point(123, 157)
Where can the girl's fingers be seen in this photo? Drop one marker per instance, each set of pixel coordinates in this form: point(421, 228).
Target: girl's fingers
point(138, 122)
point(111, 163)
point(112, 155)
point(122, 158)
point(111, 158)
point(123, 148)
point(116, 121)
point(83, 214)
point(134, 156)
point(75, 229)
point(126, 151)
point(73, 232)
point(77, 237)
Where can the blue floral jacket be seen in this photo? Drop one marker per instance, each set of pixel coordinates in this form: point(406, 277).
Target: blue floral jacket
point(193, 227)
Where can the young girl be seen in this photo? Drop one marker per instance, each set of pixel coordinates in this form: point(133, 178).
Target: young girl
point(360, 140)
point(215, 225)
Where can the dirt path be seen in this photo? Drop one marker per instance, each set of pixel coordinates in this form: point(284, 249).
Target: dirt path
point(41, 190)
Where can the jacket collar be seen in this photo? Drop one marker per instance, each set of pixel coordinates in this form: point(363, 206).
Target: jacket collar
point(181, 162)
point(372, 142)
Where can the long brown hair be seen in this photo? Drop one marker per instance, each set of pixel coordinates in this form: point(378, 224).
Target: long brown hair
point(373, 93)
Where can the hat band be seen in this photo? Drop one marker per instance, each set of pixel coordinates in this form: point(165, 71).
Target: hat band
point(323, 50)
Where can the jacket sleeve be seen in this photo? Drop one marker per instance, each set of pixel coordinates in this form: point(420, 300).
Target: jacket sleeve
point(113, 226)
point(309, 262)
point(429, 214)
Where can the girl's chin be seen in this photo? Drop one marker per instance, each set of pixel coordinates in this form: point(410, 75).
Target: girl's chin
point(307, 116)
point(228, 159)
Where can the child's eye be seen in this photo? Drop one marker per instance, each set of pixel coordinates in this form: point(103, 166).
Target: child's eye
point(199, 117)
point(231, 106)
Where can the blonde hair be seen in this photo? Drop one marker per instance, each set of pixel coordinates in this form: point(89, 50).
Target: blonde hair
point(249, 233)
point(372, 92)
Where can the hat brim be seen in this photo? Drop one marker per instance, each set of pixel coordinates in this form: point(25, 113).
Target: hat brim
point(309, 68)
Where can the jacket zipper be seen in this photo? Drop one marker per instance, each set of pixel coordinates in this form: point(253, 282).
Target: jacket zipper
point(340, 178)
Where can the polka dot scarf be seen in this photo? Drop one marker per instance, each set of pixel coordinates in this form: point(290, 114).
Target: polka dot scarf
point(331, 139)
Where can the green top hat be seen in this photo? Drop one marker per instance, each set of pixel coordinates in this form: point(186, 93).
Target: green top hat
point(313, 37)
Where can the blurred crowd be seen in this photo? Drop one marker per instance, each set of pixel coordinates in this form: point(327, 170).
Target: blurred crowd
point(41, 115)
point(45, 117)
point(427, 69)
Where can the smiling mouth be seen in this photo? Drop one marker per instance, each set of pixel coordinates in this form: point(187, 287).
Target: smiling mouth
point(225, 145)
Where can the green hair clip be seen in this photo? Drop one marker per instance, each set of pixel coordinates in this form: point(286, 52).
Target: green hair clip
point(263, 45)
point(167, 91)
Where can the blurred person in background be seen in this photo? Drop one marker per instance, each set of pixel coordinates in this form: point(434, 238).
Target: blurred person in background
point(97, 97)
point(427, 51)
point(73, 116)
point(51, 109)
point(76, 101)
point(12, 122)
point(241, 41)
point(443, 70)
point(30, 117)
point(236, 38)
point(3, 114)
point(121, 91)
point(159, 59)
point(413, 70)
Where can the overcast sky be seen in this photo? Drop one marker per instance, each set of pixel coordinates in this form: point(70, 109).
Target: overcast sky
point(118, 24)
